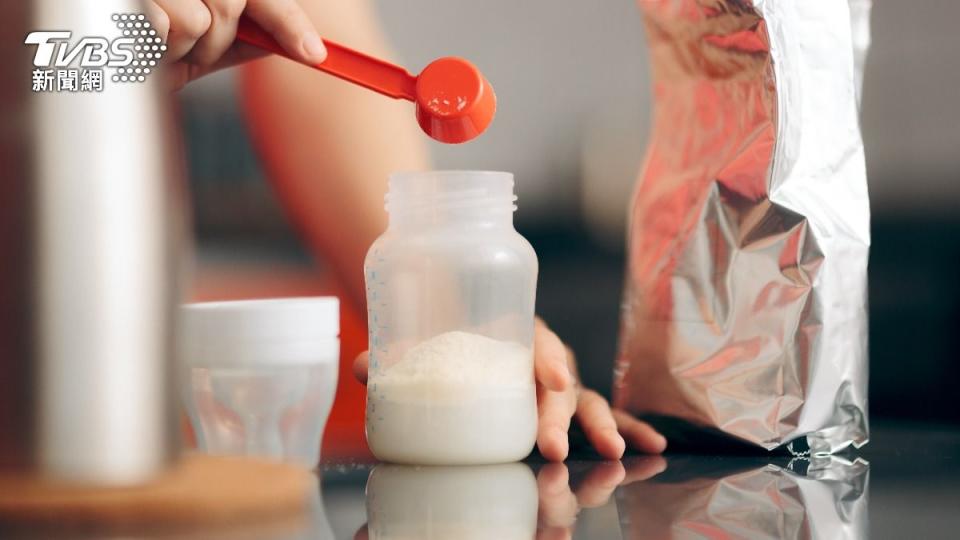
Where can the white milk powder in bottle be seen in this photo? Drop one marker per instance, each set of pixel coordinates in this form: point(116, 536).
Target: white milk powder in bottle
point(450, 296)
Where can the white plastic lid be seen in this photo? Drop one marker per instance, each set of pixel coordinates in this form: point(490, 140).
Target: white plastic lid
point(280, 331)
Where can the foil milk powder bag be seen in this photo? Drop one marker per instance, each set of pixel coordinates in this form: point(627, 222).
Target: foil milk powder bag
point(744, 314)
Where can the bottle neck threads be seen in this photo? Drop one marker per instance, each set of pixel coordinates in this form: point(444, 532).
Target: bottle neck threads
point(440, 198)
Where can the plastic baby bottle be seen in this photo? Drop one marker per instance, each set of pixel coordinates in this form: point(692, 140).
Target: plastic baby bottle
point(450, 296)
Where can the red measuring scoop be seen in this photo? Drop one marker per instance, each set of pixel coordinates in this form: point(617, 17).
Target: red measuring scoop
point(455, 103)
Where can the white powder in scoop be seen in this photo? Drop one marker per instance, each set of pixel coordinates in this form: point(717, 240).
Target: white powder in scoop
point(457, 398)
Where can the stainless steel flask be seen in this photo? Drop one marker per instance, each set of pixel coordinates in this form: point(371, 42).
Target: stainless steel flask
point(89, 223)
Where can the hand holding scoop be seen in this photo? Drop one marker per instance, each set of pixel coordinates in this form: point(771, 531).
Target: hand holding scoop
point(454, 102)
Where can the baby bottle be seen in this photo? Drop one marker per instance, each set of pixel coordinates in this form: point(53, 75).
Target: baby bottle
point(450, 297)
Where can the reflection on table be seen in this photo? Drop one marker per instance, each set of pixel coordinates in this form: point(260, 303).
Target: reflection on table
point(655, 497)
point(749, 498)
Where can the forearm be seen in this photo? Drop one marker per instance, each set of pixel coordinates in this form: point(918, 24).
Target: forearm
point(328, 146)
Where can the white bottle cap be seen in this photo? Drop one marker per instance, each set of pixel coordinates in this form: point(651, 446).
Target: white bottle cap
point(281, 331)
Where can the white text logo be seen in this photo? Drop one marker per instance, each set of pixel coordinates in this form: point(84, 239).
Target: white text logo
point(63, 66)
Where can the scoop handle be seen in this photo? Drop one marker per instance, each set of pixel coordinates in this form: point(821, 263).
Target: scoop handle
point(350, 65)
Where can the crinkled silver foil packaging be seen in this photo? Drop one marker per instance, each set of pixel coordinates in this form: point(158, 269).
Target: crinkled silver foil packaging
point(821, 497)
point(744, 313)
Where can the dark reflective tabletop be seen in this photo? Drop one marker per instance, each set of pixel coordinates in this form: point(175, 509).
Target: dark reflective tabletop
point(904, 484)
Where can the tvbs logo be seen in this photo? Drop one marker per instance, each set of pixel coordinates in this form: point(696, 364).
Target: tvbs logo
point(63, 66)
point(93, 52)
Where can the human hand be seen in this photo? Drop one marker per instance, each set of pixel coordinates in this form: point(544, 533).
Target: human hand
point(560, 503)
point(200, 34)
point(560, 398)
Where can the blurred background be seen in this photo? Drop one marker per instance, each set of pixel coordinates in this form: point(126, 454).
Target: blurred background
point(572, 125)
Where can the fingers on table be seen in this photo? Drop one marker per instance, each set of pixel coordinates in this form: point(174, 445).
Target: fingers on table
point(550, 359)
point(594, 415)
point(640, 468)
point(638, 434)
point(558, 505)
point(555, 410)
point(286, 21)
point(360, 366)
point(599, 484)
